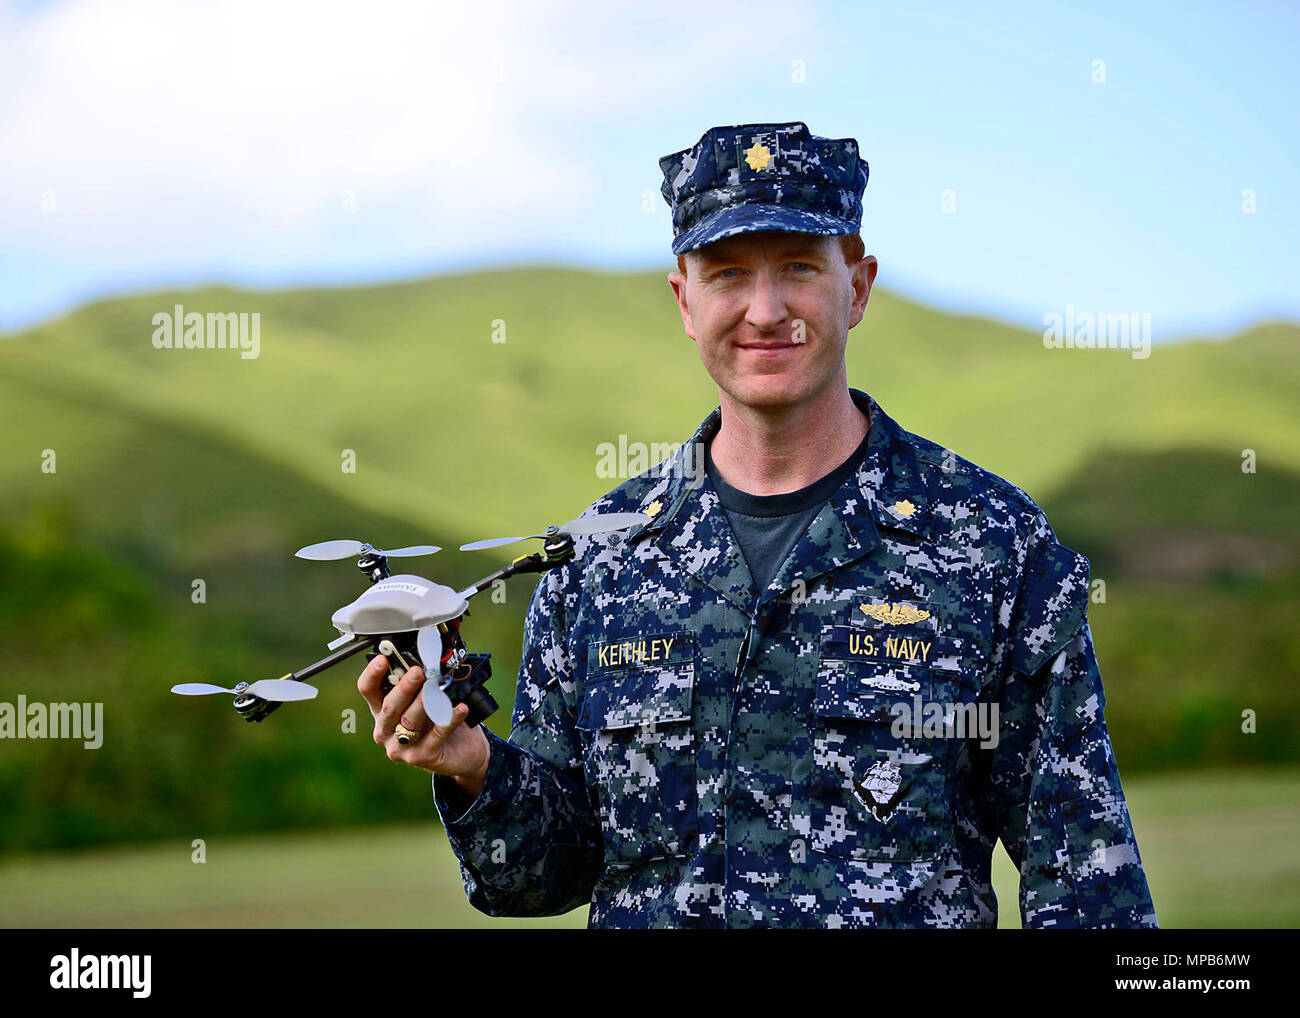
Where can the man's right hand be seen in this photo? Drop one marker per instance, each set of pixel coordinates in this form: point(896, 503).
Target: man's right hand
point(453, 750)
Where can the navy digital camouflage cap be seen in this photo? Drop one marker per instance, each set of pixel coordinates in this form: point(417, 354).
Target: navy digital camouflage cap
point(763, 177)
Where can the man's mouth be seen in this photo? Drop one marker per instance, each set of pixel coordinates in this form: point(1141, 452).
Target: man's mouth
point(770, 348)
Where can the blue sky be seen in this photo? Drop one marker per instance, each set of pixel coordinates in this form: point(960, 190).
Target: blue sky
point(149, 144)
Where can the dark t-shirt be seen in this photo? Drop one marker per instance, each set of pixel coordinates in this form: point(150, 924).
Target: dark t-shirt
point(767, 527)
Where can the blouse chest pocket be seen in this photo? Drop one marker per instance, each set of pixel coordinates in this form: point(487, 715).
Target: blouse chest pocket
point(639, 744)
point(878, 787)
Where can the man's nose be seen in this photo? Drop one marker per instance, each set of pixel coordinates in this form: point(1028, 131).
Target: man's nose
point(767, 308)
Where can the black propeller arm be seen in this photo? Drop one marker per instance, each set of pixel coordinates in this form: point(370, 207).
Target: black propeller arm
point(254, 708)
point(553, 554)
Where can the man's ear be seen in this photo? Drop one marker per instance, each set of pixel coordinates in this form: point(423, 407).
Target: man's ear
point(678, 282)
point(862, 277)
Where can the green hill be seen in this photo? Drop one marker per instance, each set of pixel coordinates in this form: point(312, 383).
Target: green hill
point(174, 465)
point(475, 431)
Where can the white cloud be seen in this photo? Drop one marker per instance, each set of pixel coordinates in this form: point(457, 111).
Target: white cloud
point(145, 112)
point(236, 127)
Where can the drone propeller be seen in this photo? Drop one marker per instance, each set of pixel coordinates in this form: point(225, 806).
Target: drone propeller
point(436, 702)
point(276, 690)
point(574, 528)
point(329, 550)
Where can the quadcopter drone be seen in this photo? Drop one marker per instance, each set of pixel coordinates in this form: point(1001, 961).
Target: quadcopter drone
point(413, 622)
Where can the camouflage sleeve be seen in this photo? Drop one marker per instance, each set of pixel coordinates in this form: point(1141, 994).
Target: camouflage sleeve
point(1054, 788)
point(530, 844)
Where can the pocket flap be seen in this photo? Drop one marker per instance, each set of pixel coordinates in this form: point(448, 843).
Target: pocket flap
point(868, 691)
point(637, 696)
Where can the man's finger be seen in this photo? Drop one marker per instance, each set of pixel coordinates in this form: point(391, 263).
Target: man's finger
point(396, 703)
point(370, 683)
point(414, 717)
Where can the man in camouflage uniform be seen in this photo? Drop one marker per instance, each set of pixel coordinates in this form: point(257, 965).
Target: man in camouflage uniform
point(719, 715)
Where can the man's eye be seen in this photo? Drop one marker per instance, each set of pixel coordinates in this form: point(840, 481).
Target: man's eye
point(801, 266)
point(722, 273)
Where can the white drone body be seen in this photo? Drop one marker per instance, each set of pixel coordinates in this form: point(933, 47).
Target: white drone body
point(402, 604)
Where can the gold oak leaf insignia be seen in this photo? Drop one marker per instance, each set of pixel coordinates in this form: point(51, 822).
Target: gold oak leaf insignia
point(895, 614)
point(758, 156)
point(652, 510)
point(903, 508)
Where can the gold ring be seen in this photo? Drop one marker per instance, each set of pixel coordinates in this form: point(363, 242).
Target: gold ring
point(405, 735)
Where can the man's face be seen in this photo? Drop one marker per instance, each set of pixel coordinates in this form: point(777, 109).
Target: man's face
point(770, 313)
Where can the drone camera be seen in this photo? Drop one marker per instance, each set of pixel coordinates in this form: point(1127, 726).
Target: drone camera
point(468, 685)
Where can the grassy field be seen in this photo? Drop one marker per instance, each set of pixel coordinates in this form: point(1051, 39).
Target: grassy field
point(1219, 849)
